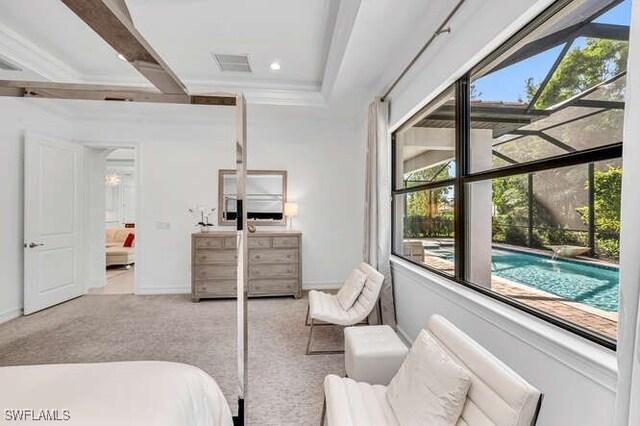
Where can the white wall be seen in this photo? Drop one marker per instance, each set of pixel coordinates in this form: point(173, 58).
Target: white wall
point(18, 115)
point(577, 377)
point(180, 150)
point(178, 169)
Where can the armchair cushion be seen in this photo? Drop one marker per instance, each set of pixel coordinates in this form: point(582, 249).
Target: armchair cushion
point(128, 242)
point(430, 387)
point(348, 294)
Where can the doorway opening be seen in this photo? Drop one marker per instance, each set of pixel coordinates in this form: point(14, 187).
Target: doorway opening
point(119, 221)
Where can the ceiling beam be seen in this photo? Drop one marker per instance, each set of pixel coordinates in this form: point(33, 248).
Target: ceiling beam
point(47, 90)
point(111, 20)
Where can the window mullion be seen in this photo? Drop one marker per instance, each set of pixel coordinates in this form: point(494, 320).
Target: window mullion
point(462, 168)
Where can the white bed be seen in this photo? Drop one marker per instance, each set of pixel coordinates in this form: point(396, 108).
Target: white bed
point(118, 393)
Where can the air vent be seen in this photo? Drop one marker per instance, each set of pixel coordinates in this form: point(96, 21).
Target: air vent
point(7, 66)
point(233, 63)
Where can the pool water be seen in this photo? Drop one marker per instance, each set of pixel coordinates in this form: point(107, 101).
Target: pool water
point(589, 284)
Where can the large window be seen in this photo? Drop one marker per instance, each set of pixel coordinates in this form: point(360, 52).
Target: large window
point(509, 182)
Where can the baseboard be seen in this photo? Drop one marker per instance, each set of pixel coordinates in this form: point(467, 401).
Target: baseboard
point(10, 314)
point(322, 285)
point(163, 290)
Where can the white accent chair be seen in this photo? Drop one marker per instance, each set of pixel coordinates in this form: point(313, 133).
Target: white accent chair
point(497, 395)
point(326, 308)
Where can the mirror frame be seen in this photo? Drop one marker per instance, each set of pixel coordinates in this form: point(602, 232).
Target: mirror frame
point(224, 222)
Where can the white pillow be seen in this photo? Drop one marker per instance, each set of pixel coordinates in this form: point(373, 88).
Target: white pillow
point(430, 388)
point(351, 289)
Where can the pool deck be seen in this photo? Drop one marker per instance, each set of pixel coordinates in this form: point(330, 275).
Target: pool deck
point(600, 321)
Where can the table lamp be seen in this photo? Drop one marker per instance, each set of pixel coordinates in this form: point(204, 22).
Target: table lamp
point(290, 210)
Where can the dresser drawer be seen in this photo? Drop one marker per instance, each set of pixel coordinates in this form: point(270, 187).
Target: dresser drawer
point(252, 242)
point(215, 271)
point(257, 256)
point(273, 271)
point(221, 287)
point(208, 242)
point(206, 256)
point(259, 242)
point(285, 241)
point(258, 287)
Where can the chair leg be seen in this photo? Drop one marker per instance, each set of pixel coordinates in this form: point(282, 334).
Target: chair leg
point(306, 318)
point(310, 337)
point(324, 411)
point(314, 352)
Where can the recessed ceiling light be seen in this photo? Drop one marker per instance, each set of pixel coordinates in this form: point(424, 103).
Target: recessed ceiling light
point(122, 58)
point(275, 66)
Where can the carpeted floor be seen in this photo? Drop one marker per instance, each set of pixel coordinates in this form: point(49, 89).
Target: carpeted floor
point(285, 386)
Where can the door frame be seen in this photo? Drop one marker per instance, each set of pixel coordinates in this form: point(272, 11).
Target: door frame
point(137, 167)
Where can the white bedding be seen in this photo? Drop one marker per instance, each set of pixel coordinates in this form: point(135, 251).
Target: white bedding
point(118, 393)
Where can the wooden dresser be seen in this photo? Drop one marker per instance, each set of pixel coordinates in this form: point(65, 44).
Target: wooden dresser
point(275, 264)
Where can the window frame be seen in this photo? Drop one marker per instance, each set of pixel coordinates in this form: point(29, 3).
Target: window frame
point(464, 177)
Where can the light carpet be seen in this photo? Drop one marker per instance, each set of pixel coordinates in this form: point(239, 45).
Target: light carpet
point(285, 385)
point(119, 281)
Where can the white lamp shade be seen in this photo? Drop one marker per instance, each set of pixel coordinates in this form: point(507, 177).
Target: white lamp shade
point(290, 209)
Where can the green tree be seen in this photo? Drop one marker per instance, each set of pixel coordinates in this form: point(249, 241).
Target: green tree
point(581, 69)
point(429, 213)
point(607, 188)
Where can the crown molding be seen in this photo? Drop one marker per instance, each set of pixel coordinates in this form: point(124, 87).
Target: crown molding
point(27, 55)
point(263, 92)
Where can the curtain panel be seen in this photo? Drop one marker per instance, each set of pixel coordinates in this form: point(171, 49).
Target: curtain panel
point(377, 213)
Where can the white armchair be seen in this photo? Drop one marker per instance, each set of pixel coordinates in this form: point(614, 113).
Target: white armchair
point(326, 308)
point(497, 394)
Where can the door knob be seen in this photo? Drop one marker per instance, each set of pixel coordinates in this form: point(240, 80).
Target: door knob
point(32, 245)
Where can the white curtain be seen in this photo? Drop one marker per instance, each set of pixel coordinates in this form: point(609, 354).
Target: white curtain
point(377, 214)
point(628, 395)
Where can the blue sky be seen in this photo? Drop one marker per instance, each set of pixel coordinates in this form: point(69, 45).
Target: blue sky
point(508, 85)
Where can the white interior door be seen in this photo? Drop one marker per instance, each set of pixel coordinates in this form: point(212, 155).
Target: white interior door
point(52, 222)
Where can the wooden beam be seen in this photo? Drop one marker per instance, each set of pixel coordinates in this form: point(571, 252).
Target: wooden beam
point(111, 20)
point(93, 92)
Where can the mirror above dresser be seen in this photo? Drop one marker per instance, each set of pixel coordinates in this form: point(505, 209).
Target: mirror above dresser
point(266, 196)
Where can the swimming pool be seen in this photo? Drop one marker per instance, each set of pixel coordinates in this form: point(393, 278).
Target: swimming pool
point(592, 285)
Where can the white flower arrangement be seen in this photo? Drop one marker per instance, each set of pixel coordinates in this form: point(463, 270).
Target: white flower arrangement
point(205, 214)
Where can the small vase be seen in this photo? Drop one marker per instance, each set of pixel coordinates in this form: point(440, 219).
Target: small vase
point(204, 228)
